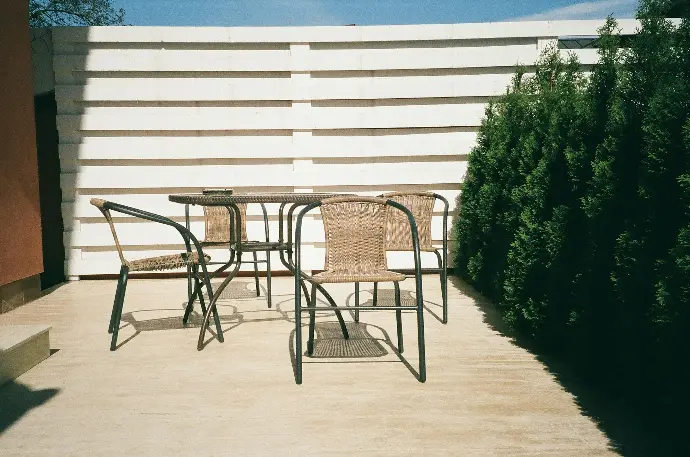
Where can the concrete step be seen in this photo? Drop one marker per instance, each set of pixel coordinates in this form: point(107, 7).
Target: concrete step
point(22, 347)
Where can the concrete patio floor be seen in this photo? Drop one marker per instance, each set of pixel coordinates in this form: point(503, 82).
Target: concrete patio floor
point(157, 395)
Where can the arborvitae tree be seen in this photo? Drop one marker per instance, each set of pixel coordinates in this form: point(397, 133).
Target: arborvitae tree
point(537, 262)
point(577, 203)
point(676, 323)
point(485, 230)
point(652, 204)
point(675, 8)
point(595, 317)
point(664, 195)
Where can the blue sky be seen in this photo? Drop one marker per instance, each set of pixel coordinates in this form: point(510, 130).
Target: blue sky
point(362, 12)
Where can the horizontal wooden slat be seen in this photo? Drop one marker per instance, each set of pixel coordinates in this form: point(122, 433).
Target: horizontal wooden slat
point(174, 60)
point(108, 60)
point(176, 118)
point(102, 177)
point(396, 116)
point(472, 31)
point(407, 87)
point(585, 56)
point(385, 143)
point(387, 173)
point(450, 195)
point(191, 147)
point(108, 262)
point(159, 203)
point(336, 143)
point(232, 89)
point(415, 58)
point(213, 118)
point(148, 233)
point(177, 89)
point(81, 209)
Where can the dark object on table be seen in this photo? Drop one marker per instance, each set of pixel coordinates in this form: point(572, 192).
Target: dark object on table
point(217, 191)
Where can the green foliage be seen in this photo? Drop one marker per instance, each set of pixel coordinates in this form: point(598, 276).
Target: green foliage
point(51, 13)
point(575, 210)
point(501, 156)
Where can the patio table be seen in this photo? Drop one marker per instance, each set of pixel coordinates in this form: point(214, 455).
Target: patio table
point(283, 245)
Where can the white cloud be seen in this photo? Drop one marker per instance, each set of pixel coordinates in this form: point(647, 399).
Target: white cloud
point(586, 10)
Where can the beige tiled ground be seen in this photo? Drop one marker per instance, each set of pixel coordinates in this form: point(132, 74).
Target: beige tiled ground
point(157, 395)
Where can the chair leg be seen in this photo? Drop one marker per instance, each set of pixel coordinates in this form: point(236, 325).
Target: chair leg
point(256, 275)
point(444, 286)
point(124, 274)
point(376, 289)
point(356, 302)
point(420, 334)
point(312, 320)
point(268, 277)
point(298, 339)
point(190, 290)
point(398, 318)
point(201, 300)
point(118, 292)
point(190, 305)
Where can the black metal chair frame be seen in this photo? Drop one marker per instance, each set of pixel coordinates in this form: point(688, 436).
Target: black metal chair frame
point(442, 270)
point(189, 239)
point(311, 303)
point(235, 245)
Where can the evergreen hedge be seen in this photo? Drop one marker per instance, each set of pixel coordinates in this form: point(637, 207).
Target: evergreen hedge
point(575, 210)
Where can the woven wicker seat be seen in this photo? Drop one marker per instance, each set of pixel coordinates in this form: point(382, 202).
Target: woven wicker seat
point(218, 225)
point(166, 262)
point(356, 233)
point(191, 259)
point(357, 276)
point(421, 205)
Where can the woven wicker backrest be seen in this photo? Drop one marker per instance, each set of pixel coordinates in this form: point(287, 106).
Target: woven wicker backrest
point(217, 223)
point(355, 230)
point(99, 203)
point(421, 205)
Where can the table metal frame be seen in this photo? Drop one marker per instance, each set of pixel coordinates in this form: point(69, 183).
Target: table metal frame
point(284, 245)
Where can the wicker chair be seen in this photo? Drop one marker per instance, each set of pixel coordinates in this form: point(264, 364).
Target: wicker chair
point(421, 204)
point(193, 258)
point(218, 231)
point(356, 232)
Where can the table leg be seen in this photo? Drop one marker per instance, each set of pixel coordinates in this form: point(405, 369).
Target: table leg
point(235, 214)
point(214, 299)
point(189, 267)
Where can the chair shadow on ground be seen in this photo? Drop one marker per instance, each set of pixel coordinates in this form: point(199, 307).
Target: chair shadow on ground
point(386, 297)
point(627, 435)
point(17, 399)
point(331, 347)
point(329, 343)
point(234, 291)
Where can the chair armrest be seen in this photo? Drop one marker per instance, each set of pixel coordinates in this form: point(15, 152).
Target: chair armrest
point(186, 234)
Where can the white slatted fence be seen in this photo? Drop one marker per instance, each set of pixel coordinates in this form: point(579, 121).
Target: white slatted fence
point(148, 111)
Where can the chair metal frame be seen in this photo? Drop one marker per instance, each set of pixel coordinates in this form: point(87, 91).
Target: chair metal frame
point(311, 303)
point(442, 257)
point(234, 245)
point(189, 239)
